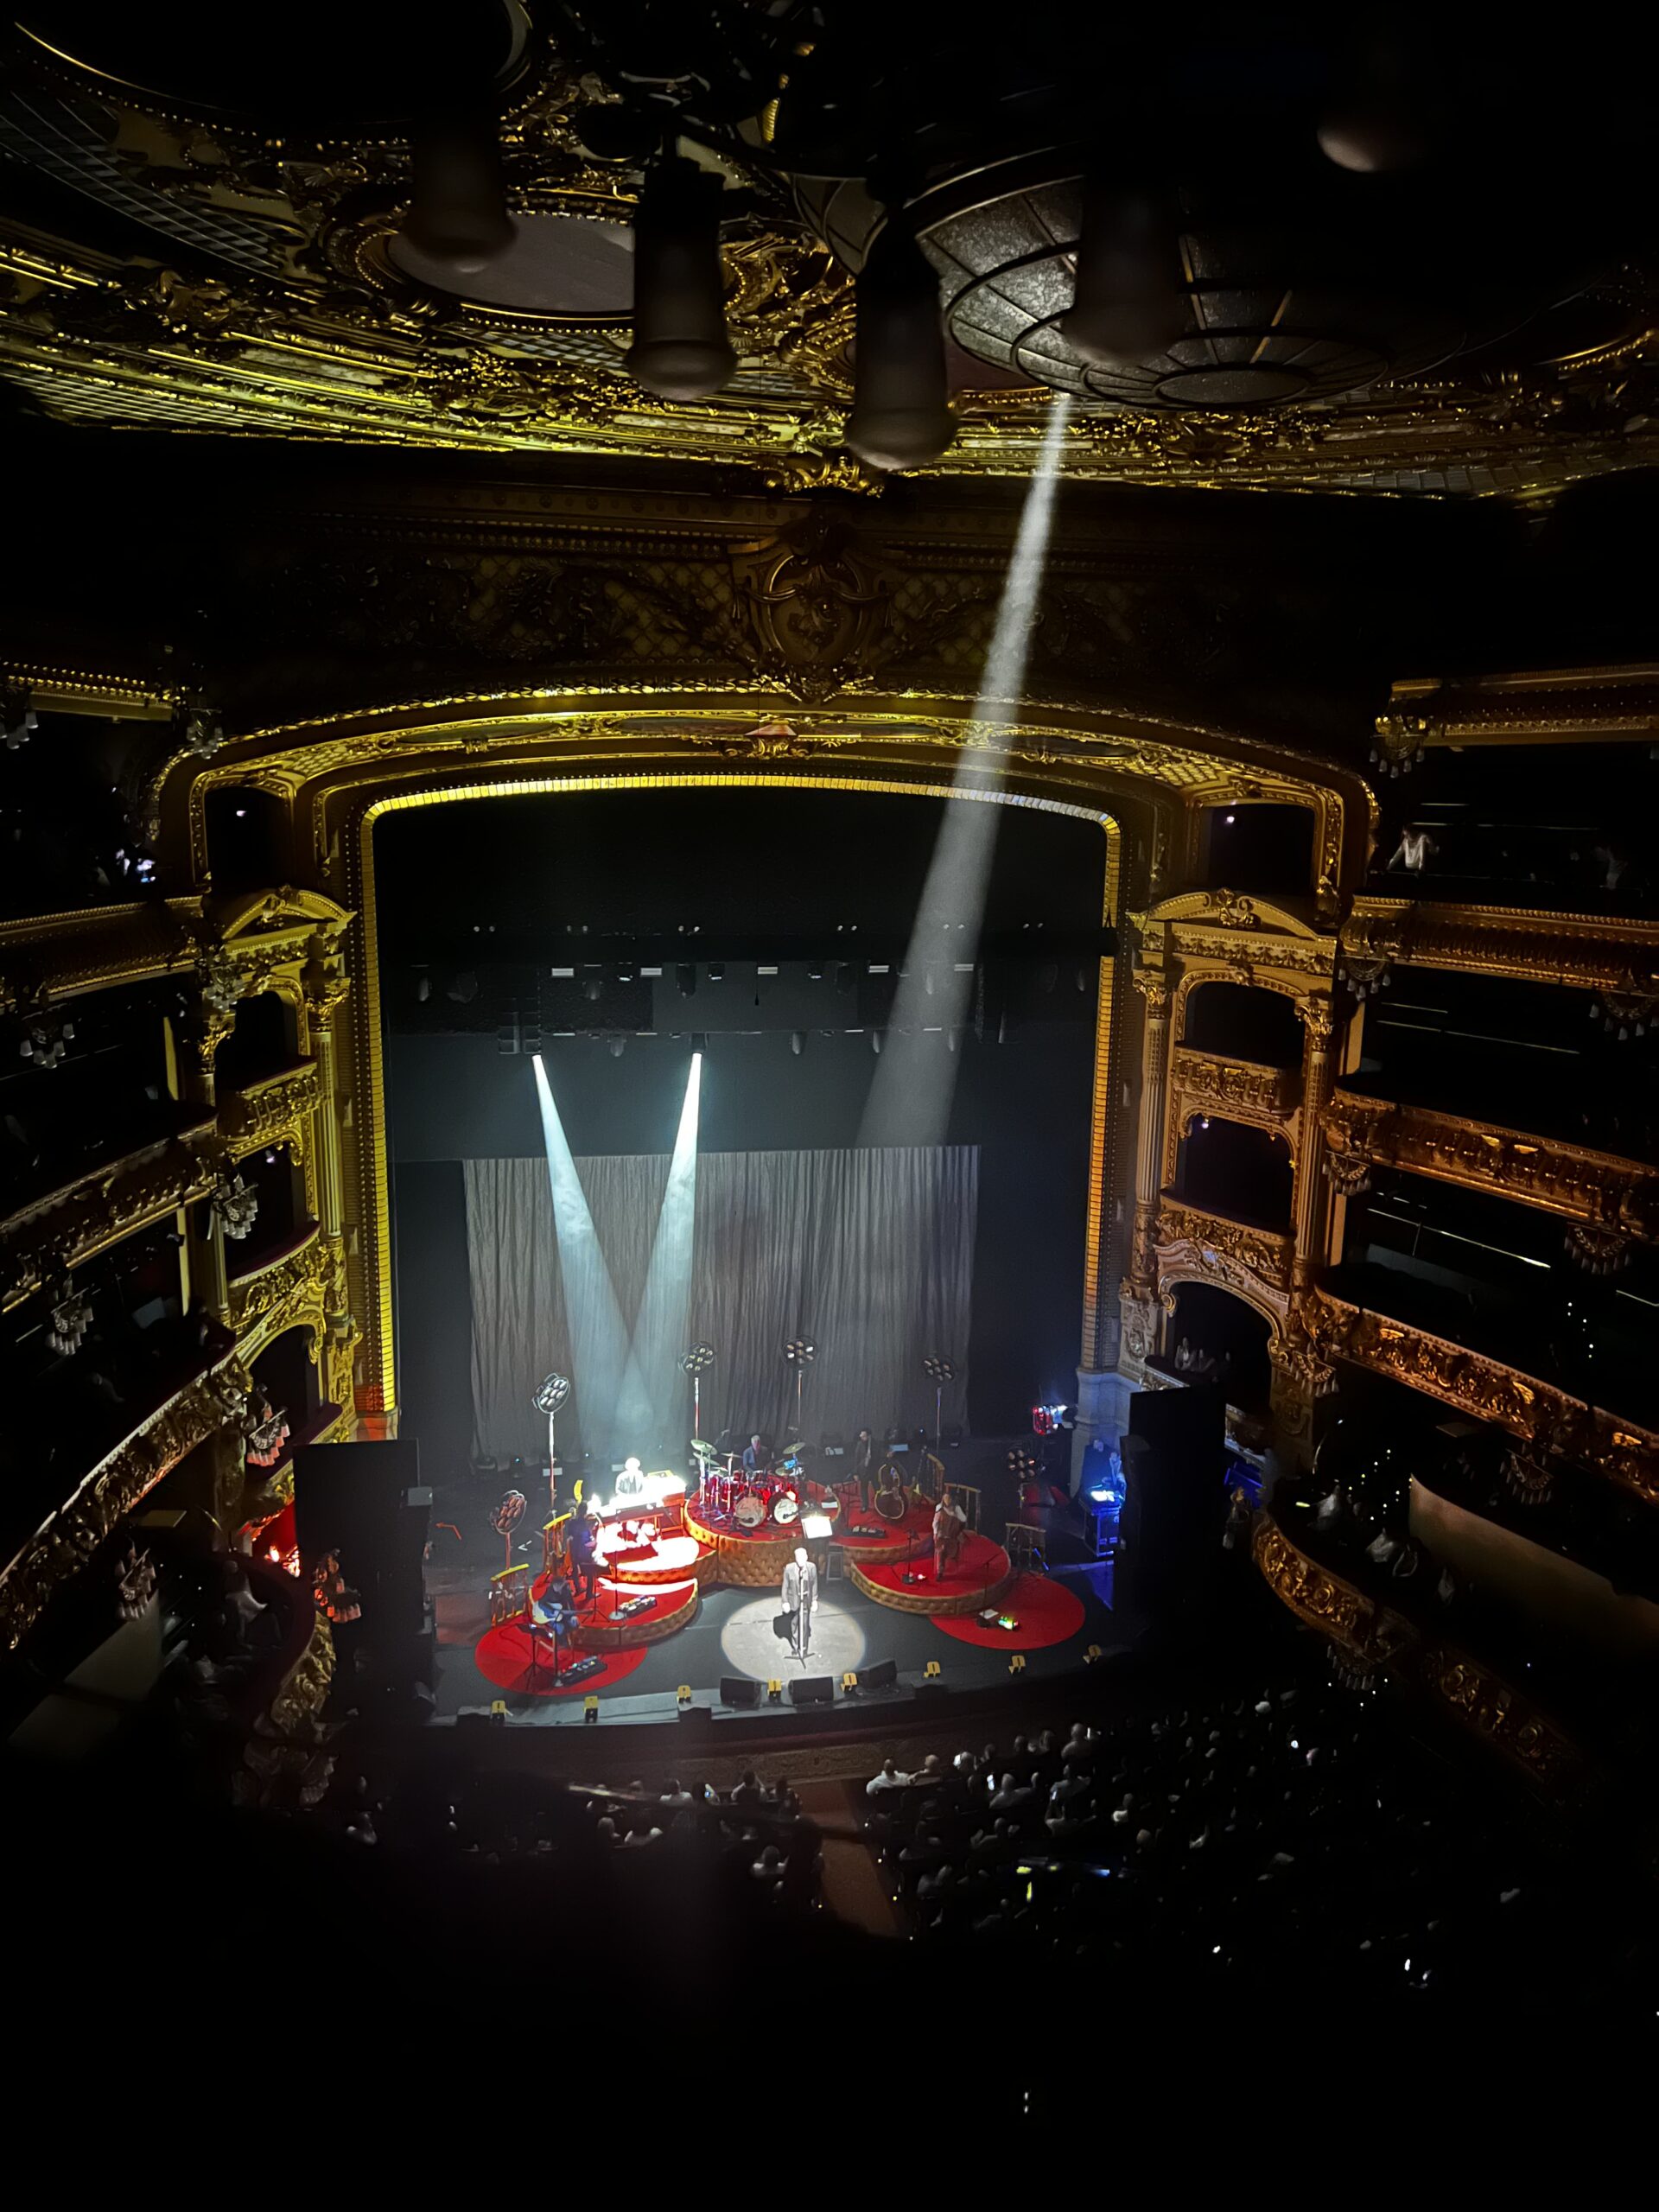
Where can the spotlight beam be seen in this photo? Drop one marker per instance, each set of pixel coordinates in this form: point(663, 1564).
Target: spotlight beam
point(910, 1098)
point(599, 1342)
point(653, 1381)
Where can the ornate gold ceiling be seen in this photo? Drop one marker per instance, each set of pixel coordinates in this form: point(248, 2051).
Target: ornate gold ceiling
point(158, 270)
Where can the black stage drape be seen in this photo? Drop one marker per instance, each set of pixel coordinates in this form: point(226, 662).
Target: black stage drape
point(870, 1253)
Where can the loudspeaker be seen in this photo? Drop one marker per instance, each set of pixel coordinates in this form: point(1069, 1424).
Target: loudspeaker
point(1174, 1454)
point(738, 1690)
point(815, 1689)
point(883, 1676)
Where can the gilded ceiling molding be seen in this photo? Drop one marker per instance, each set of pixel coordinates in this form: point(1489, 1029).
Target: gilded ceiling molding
point(1534, 1410)
point(114, 1489)
point(1570, 1179)
point(1585, 952)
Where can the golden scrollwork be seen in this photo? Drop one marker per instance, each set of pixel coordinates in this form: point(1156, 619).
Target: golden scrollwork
point(1497, 1712)
point(276, 1111)
point(1229, 1249)
point(1586, 952)
point(1594, 1188)
point(1214, 1082)
point(111, 1490)
point(297, 1286)
point(74, 1224)
point(1524, 1404)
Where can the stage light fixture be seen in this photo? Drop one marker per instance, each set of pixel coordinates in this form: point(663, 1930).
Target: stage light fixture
point(774, 1693)
point(1016, 1662)
point(616, 1045)
point(798, 1042)
point(716, 971)
point(683, 1694)
point(1093, 1656)
point(814, 971)
point(685, 975)
point(552, 1393)
point(932, 1671)
point(848, 1684)
point(800, 1351)
point(939, 1371)
point(901, 417)
point(625, 971)
point(681, 349)
point(592, 988)
point(589, 1709)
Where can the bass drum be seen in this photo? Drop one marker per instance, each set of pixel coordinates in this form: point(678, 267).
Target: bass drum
point(750, 1511)
point(785, 1508)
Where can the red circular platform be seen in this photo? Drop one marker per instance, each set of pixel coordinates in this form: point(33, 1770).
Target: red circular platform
point(982, 1573)
point(503, 1657)
point(1047, 1613)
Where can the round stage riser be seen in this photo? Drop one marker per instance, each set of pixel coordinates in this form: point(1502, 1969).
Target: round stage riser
point(758, 1562)
point(702, 1571)
point(617, 1636)
point(925, 1599)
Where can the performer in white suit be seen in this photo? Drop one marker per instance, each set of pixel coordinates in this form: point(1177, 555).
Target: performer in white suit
point(800, 1602)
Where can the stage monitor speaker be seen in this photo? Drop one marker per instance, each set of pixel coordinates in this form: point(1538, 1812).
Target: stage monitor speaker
point(1174, 1456)
point(881, 1677)
point(738, 1690)
point(813, 1689)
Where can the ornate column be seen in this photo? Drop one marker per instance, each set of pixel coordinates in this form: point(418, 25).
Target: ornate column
point(325, 984)
point(209, 1275)
point(1140, 1304)
point(1320, 1022)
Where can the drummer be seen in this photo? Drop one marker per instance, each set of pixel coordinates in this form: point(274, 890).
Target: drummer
point(754, 1458)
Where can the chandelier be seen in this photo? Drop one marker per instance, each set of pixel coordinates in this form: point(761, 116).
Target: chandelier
point(237, 1207)
point(70, 1320)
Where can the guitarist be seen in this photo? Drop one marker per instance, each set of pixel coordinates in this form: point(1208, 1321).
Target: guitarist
point(864, 1470)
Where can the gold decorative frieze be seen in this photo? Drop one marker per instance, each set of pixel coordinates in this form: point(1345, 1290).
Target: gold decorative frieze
point(73, 1224)
point(1486, 1389)
point(56, 956)
point(1371, 1637)
point(115, 1487)
point(1502, 1715)
point(1586, 1186)
point(1586, 952)
point(1211, 1083)
point(297, 1278)
point(1568, 705)
point(1189, 1237)
point(275, 1111)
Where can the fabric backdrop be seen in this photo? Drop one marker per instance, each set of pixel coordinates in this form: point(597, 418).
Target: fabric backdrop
point(867, 1252)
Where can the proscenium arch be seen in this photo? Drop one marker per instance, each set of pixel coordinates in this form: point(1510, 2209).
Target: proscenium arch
point(358, 861)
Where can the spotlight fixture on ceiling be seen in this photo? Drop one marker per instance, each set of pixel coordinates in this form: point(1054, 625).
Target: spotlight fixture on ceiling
point(900, 418)
point(798, 1042)
point(616, 1044)
point(1128, 301)
point(458, 208)
point(681, 349)
point(716, 971)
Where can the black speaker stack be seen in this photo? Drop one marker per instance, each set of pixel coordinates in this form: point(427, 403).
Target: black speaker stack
point(366, 1501)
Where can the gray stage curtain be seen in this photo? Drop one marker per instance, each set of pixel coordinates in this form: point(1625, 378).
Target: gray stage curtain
point(868, 1252)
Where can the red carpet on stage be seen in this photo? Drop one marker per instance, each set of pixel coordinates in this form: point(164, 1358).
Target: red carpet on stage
point(1048, 1612)
point(503, 1657)
point(869, 1531)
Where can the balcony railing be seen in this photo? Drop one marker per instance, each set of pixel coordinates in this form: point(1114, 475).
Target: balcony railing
point(124, 1193)
point(1487, 1389)
point(1570, 1179)
point(270, 1109)
point(1219, 1083)
point(1263, 1252)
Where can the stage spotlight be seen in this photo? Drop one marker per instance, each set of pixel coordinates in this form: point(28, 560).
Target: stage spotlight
point(591, 989)
point(932, 1671)
point(814, 971)
point(462, 987)
point(798, 1042)
point(625, 971)
point(616, 1045)
point(590, 1708)
point(716, 971)
point(685, 975)
point(800, 1351)
point(875, 1041)
point(423, 988)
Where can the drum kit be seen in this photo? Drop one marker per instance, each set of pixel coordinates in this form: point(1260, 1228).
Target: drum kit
point(754, 1499)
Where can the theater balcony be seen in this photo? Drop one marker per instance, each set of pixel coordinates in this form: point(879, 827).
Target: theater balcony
point(1540, 1703)
point(1482, 805)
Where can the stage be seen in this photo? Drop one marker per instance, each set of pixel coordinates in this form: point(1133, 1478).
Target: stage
point(705, 1626)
